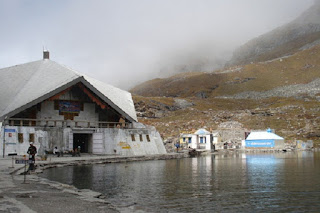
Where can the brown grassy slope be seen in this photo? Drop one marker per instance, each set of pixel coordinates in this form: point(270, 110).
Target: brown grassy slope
point(299, 68)
point(291, 118)
point(154, 100)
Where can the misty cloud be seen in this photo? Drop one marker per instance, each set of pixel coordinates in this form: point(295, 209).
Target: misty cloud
point(123, 42)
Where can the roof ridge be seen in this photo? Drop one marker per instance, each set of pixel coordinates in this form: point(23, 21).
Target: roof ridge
point(40, 79)
point(38, 71)
point(17, 95)
point(17, 65)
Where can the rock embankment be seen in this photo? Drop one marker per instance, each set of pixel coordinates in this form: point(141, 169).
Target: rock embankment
point(156, 109)
point(104, 160)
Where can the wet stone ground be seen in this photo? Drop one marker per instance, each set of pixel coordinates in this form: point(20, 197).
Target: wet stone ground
point(37, 196)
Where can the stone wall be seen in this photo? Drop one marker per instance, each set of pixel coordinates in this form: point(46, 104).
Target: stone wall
point(132, 142)
point(48, 112)
point(125, 142)
point(17, 140)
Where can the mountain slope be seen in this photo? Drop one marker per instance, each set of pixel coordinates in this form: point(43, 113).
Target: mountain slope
point(282, 94)
point(272, 81)
point(300, 68)
point(301, 33)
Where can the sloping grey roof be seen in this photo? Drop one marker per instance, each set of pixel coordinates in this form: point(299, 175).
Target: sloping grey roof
point(119, 99)
point(25, 85)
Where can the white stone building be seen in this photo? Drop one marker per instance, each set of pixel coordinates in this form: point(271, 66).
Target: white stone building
point(51, 105)
point(200, 139)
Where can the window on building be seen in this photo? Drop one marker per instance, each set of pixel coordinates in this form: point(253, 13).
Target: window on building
point(189, 140)
point(20, 137)
point(148, 138)
point(133, 138)
point(203, 140)
point(141, 139)
point(31, 137)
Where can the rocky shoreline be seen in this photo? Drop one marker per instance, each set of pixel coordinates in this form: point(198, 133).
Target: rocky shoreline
point(36, 194)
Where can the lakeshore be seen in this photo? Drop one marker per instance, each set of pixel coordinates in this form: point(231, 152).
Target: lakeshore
point(39, 194)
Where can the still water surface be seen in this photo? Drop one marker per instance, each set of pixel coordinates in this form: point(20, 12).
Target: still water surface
point(276, 182)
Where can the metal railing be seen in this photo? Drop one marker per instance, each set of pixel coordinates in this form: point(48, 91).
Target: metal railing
point(65, 123)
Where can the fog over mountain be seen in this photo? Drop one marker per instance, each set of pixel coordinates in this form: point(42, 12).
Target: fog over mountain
point(301, 33)
point(124, 43)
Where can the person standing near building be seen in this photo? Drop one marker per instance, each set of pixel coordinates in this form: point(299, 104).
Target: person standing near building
point(177, 146)
point(56, 151)
point(32, 151)
point(78, 151)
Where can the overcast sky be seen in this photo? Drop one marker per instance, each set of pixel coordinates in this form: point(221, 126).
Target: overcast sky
point(125, 42)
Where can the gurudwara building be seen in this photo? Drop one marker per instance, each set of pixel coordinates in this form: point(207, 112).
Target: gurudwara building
point(53, 106)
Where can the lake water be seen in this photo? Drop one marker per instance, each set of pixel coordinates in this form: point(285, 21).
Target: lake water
point(240, 182)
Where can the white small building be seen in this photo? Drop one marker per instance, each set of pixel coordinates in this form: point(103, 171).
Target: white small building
point(216, 138)
point(200, 139)
point(186, 140)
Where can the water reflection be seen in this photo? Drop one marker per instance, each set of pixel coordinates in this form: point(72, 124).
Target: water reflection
point(230, 182)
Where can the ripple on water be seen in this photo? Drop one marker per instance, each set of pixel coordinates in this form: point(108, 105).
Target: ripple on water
point(241, 183)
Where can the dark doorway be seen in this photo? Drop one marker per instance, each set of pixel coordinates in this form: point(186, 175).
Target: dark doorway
point(83, 141)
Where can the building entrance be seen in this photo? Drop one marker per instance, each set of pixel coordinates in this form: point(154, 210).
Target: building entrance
point(84, 141)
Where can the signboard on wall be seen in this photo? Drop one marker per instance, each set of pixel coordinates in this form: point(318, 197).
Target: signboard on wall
point(124, 145)
point(260, 143)
point(10, 136)
point(69, 106)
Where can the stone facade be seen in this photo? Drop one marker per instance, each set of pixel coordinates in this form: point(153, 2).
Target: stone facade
point(115, 141)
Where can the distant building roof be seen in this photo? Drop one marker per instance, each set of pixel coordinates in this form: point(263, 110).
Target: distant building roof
point(25, 85)
point(202, 132)
point(186, 135)
point(263, 136)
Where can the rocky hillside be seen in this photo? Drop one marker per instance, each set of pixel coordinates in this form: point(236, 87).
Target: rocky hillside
point(290, 118)
point(272, 81)
point(284, 77)
point(282, 94)
point(286, 40)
